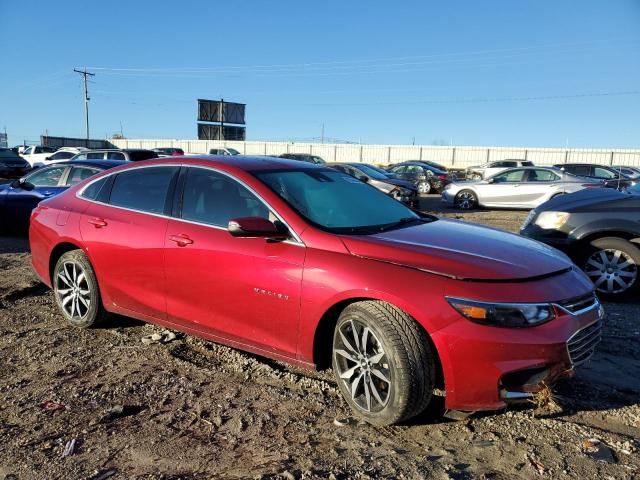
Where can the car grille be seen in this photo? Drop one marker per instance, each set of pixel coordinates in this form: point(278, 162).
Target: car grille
point(583, 343)
point(579, 304)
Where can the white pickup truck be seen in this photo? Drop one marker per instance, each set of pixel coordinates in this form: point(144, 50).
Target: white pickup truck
point(37, 155)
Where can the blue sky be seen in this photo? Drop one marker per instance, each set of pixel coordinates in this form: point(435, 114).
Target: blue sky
point(526, 72)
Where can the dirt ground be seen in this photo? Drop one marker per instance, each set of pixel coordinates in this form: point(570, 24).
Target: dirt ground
point(97, 404)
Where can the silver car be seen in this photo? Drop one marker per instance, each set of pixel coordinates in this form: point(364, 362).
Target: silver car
point(525, 187)
point(491, 168)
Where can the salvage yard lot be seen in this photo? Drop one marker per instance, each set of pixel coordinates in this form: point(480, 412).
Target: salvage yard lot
point(191, 409)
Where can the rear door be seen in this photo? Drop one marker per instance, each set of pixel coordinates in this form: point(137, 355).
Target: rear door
point(538, 187)
point(244, 290)
point(124, 237)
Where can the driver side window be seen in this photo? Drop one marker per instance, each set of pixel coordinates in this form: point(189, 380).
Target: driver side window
point(213, 198)
point(47, 177)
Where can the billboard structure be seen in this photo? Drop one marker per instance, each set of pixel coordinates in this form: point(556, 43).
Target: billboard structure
point(214, 114)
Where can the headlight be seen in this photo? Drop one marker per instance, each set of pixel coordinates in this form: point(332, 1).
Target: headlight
point(515, 315)
point(551, 220)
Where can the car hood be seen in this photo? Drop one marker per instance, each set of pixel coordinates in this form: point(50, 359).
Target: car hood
point(462, 251)
point(582, 198)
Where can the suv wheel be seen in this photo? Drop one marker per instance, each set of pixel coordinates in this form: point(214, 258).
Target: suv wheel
point(76, 290)
point(613, 265)
point(383, 362)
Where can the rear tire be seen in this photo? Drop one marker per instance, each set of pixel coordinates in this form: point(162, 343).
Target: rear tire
point(466, 200)
point(613, 265)
point(424, 187)
point(76, 290)
point(383, 362)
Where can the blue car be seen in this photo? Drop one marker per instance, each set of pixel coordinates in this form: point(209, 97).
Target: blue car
point(18, 198)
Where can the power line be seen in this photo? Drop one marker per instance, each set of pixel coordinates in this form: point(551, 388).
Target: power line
point(86, 74)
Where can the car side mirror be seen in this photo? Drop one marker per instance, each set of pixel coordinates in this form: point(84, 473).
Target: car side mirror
point(257, 227)
point(363, 178)
point(490, 180)
point(23, 184)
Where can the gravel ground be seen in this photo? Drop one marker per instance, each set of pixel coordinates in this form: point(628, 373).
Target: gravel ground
point(97, 404)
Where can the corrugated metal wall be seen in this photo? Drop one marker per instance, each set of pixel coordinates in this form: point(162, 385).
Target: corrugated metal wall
point(456, 156)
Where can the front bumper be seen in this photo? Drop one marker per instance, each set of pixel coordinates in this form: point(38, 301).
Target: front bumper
point(555, 238)
point(447, 197)
point(488, 368)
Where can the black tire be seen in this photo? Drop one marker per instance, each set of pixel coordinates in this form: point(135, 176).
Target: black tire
point(400, 350)
point(613, 265)
point(466, 200)
point(76, 290)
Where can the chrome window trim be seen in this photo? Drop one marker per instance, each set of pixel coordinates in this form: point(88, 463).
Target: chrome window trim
point(296, 238)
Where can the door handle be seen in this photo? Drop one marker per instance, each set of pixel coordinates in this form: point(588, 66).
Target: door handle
point(182, 240)
point(47, 194)
point(97, 222)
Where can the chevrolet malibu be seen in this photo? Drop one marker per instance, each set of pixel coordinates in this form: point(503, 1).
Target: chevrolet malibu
point(302, 263)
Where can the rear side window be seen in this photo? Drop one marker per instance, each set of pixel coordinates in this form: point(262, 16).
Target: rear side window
point(143, 189)
point(92, 192)
point(95, 155)
point(212, 198)
point(579, 170)
point(79, 174)
point(115, 156)
point(542, 176)
point(527, 164)
point(61, 156)
point(136, 156)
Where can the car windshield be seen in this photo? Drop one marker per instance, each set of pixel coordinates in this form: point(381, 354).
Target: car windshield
point(373, 173)
point(6, 153)
point(337, 202)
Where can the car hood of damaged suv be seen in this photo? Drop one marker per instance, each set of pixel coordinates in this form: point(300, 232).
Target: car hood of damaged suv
point(462, 251)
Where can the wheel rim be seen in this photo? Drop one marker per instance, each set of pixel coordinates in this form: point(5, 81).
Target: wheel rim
point(72, 290)
point(424, 187)
point(362, 366)
point(611, 270)
point(466, 200)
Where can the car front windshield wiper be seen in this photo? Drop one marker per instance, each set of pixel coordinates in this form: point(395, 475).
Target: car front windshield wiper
point(405, 221)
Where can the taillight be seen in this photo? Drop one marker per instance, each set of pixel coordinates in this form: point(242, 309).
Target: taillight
point(442, 178)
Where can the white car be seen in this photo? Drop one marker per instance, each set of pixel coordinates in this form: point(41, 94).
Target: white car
point(491, 168)
point(64, 154)
point(37, 155)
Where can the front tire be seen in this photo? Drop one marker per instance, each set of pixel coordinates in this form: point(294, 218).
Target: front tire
point(466, 200)
point(76, 290)
point(383, 362)
point(613, 265)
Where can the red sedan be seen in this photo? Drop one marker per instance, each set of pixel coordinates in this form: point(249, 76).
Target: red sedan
point(305, 264)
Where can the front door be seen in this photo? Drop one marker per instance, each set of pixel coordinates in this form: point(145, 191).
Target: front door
point(245, 290)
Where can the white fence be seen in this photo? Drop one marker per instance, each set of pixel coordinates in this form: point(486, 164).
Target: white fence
point(456, 156)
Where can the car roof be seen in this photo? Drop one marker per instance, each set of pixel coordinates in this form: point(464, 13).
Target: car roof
point(104, 164)
point(248, 163)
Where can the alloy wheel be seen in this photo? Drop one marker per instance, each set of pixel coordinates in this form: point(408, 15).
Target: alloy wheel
point(72, 290)
point(611, 270)
point(362, 366)
point(424, 187)
point(466, 200)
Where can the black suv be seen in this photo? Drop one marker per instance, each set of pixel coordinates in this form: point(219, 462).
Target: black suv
point(599, 229)
point(611, 177)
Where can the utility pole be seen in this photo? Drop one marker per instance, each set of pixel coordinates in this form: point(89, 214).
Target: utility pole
point(86, 74)
point(322, 134)
point(221, 135)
